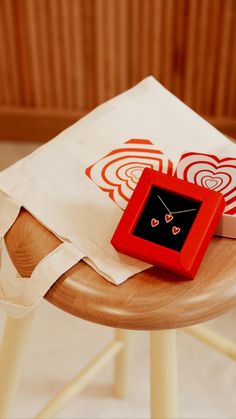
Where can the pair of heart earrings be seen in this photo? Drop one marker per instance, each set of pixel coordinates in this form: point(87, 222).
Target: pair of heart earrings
point(169, 217)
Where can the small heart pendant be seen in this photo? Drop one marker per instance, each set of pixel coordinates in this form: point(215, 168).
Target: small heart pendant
point(168, 218)
point(175, 230)
point(154, 222)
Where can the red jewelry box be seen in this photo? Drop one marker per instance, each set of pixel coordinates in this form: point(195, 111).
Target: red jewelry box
point(169, 222)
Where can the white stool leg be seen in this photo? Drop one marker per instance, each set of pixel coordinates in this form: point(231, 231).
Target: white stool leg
point(11, 353)
point(123, 363)
point(163, 375)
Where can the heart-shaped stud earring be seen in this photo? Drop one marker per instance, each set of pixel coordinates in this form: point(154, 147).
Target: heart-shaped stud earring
point(154, 222)
point(175, 230)
point(168, 218)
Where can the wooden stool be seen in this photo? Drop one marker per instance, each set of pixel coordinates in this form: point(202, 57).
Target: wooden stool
point(153, 300)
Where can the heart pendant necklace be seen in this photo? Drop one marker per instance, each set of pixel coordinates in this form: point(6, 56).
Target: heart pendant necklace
point(169, 216)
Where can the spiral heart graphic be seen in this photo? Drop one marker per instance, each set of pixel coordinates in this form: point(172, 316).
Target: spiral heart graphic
point(211, 172)
point(118, 173)
point(134, 173)
point(210, 179)
point(211, 182)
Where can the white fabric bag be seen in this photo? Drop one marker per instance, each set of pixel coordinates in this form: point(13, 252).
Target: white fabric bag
point(62, 183)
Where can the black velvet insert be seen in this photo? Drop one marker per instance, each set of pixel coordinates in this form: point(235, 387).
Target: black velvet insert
point(156, 224)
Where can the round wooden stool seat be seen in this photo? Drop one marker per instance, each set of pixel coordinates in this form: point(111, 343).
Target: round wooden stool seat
point(151, 300)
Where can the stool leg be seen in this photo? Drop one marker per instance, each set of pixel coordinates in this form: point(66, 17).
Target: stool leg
point(163, 375)
point(123, 363)
point(11, 353)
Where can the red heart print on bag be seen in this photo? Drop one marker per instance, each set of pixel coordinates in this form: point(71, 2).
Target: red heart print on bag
point(212, 182)
point(211, 172)
point(118, 172)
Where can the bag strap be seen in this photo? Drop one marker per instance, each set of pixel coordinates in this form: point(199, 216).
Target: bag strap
point(49, 269)
point(19, 295)
point(9, 211)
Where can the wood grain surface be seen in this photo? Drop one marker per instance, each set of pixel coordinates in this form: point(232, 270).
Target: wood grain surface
point(151, 300)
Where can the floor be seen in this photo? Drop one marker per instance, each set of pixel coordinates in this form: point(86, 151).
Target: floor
point(61, 344)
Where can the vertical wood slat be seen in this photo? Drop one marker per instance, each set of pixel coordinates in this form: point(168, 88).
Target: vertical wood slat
point(156, 41)
point(3, 85)
point(89, 51)
point(76, 54)
point(56, 54)
point(168, 66)
point(77, 51)
point(123, 32)
point(100, 51)
point(134, 47)
point(230, 78)
point(231, 75)
point(66, 52)
point(201, 53)
point(23, 53)
point(4, 64)
point(44, 52)
point(223, 57)
point(212, 62)
point(145, 39)
point(111, 52)
point(33, 53)
point(12, 51)
point(190, 52)
point(178, 49)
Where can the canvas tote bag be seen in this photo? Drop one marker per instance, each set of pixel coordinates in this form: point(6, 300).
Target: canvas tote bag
point(78, 184)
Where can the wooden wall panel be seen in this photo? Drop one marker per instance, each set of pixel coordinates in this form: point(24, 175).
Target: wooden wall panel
point(64, 57)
